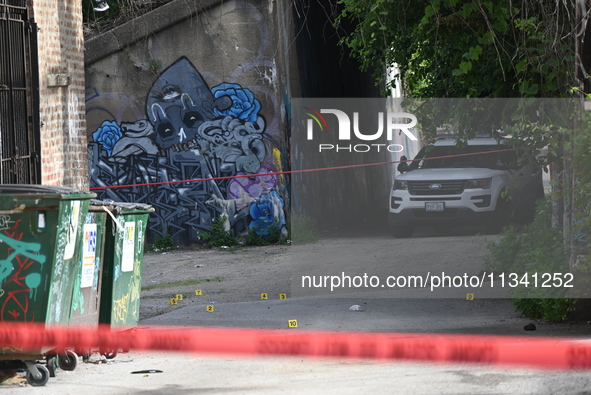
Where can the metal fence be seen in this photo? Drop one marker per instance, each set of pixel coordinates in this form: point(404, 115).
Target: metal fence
point(19, 95)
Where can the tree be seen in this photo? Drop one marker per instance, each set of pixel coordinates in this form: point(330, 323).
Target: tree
point(493, 49)
point(471, 49)
point(466, 48)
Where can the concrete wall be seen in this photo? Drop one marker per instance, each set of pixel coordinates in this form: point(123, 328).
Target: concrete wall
point(193, 90)
point(61, 90)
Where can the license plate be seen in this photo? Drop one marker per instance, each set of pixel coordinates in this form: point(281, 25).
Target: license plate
point(434, 206)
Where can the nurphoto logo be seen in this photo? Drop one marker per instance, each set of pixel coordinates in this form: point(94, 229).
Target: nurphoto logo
point(393, 121)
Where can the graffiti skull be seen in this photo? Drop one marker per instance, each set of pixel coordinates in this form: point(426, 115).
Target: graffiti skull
point(179, 102)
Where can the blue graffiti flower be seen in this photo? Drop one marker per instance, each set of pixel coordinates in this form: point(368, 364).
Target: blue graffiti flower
point(244, 104)
point(267, 214)
point(107, 135)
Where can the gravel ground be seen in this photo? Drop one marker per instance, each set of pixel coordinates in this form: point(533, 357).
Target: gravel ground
point(223, 275)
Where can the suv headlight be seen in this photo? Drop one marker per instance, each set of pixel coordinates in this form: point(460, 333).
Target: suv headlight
point(400, 185)
point(482, 183)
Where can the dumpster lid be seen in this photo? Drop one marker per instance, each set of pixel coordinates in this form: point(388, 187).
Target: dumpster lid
point(120, 206)
point(15, 189)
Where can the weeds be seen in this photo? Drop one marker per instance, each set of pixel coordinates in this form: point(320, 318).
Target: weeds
point(303, 230)
point(119, 12)
point(262, 237)
point(183, 283)
point(218, 237)
point(537, 248)
point(163, 244)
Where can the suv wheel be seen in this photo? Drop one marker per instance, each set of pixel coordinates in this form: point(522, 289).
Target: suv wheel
point(402, 231)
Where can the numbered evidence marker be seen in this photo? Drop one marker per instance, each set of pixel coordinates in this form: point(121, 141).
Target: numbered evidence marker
point(179, 297)
point(210, 308)
point(198, 292)
point(469, 296)
point(292, 323)
point(282, 296)
point(174, 301)
point(264, 295)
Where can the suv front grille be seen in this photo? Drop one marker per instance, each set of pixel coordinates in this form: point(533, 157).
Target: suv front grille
point(454, 187)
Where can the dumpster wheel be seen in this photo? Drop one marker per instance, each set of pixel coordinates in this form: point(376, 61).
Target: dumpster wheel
point(37, 378)
point(52, 365)
point(68, 360)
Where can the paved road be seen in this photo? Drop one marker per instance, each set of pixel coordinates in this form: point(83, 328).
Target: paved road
point(217, 374)
point(200, 374)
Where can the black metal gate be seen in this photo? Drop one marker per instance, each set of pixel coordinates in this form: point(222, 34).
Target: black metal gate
point(19, 95)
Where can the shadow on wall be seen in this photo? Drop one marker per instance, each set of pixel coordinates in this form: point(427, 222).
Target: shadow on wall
point(191, 132)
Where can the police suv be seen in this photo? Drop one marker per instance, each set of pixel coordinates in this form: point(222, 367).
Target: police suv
point(481, 182)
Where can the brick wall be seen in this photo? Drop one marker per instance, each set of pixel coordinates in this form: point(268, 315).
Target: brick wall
point(64, 154)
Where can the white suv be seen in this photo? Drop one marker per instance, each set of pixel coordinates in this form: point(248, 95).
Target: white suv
point(480, 183)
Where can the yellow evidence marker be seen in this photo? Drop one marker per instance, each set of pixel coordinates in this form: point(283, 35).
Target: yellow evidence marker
point(179, 297)
point(264, 295)
point(198, 292)
point(469, 296)
point(282, 296)
point(210, 308)
point(292, 323)
point(173, 301)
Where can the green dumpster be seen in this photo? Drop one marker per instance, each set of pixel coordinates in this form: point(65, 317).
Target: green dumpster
point(87, 286)
point(123, 261)
point(40, 232)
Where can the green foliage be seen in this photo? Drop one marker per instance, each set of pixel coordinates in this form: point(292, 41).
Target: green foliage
point(578, 142)
point(491, 48)
point(165, 243)
point(183, 283)
point(155, 66)
point(251, 238)
point(552, 310)
point(217, 236)
point(268, 236)
point(303, 230)
point(537, 248)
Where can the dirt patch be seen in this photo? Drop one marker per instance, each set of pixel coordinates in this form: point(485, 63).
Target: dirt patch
point(223, 275)
point(242, 274)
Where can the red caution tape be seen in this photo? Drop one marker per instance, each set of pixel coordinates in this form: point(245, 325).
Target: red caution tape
point(554, 353)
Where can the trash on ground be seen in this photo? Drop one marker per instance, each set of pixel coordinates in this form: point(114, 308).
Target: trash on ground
point(530, 327)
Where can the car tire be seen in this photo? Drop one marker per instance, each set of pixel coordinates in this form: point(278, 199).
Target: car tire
point(402, 231)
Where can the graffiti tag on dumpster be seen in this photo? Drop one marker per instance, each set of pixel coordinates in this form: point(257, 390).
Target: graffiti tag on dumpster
point(120, 309)
point(72, 230)
point(20, 273)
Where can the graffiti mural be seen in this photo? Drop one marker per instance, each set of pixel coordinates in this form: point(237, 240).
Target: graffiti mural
point(191, 131)
point(20, 274)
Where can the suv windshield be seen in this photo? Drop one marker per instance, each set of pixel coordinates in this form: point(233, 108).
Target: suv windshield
point(482, 156)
